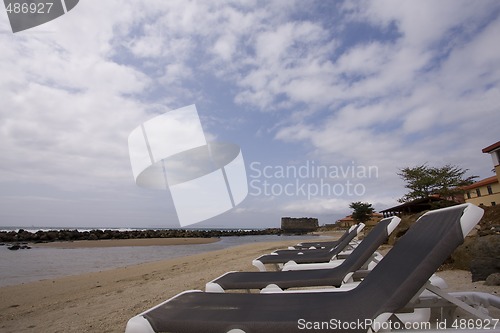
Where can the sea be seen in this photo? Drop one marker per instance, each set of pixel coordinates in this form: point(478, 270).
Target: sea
point(40, 263)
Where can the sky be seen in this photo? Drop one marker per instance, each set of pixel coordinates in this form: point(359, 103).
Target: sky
point(327, 100)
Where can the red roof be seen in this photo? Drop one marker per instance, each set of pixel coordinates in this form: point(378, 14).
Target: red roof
point(483, 182)
point(349, 218)
point(491, 147)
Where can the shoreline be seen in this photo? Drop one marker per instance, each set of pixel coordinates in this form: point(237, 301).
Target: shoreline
point(126, 242)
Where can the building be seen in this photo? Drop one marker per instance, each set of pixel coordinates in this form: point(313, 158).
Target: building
point(348, 221)
point(486, 191)
point(417, 206)
point(345, 222)
point(494, 151)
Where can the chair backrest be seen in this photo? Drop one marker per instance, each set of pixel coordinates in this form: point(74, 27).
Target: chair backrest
point(342, 245)
point(416, 256)
point(319, 244)
point(376, 237)
point(347, 232)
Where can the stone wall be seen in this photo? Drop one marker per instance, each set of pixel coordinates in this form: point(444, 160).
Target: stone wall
point(299, 225)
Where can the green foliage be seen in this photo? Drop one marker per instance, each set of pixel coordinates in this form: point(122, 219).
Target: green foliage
point(362, 211)
point(424, 181)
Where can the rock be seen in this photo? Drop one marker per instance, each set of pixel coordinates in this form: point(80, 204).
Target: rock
point(462, 256)
point(486, 251)
point(481, 268)
point(487, 246)
point(493, 280)
point(18, 246)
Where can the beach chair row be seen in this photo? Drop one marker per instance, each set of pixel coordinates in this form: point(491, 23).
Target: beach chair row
point(314, 290)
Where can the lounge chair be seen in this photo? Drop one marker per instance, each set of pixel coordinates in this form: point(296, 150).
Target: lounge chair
point(310, 278)
point(391, 285)
point(342, 241)
point(323, 244)
point(281, 257)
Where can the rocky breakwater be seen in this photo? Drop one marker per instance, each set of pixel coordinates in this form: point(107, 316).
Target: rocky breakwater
point(22, 236)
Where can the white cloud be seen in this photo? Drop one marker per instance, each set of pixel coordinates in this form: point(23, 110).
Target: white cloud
point(147, 46)
point(225, 47)
point(401, 111)
point(365, 59)
point(289, 59)
point(421, 23)
point(420, 119)
point(176, 71)
point(65, 110)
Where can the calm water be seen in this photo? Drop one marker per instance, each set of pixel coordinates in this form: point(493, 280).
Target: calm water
point(44, 263)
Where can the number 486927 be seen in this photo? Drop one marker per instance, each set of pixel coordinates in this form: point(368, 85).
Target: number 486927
point(32, 8)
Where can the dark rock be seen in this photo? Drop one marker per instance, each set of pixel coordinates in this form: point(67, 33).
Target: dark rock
point(462, 256)
point(487, 246)
point(493, 280)
point(479, 254)
point(485, 257)
point(481, 268)
point(14, 247)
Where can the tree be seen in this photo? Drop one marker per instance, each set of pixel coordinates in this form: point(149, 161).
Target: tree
point(424, 181)
point(362, 211)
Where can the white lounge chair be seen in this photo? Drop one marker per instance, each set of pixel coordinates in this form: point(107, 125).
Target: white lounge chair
point(311, 278)
point(280, 257)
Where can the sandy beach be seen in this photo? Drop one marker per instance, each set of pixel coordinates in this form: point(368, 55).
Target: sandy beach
point(104, 301)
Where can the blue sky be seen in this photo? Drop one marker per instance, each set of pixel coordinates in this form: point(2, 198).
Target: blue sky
point(338, 85)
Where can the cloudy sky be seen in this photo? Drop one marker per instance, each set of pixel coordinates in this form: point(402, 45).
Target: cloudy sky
point(360, 89)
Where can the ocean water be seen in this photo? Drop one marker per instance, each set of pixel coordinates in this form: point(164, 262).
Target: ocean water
point(35, 264)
